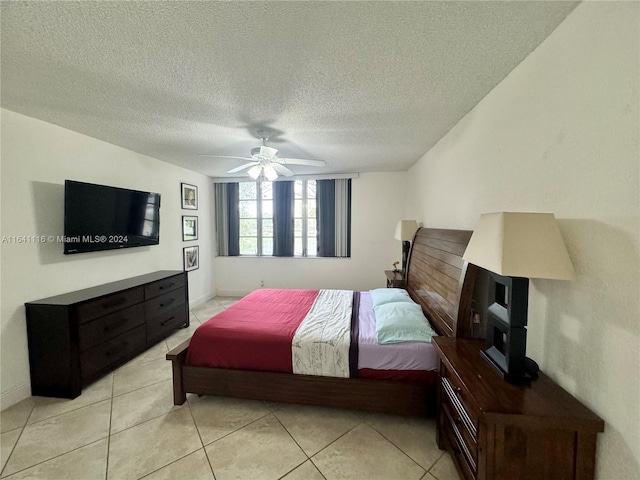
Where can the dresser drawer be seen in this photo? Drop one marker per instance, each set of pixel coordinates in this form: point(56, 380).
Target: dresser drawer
point(460, 414)
point(104, 328)
point(109, 304)
point(117, 349)
point(162, 325)
point(467, 469)
point(466, 443)
point(164, 303)
point(460, 396)
point(163, 286)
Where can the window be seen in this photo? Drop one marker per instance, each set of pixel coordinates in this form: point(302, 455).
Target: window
point(301, 218)
point(255, 206)
point(305, 234)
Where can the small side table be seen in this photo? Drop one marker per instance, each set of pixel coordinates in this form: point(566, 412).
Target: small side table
point(394, 279)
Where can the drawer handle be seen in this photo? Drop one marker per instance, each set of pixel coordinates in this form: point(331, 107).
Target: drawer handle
point(115, 303)
point(171, 300)
point(167, 286)
point(167, 321)
point(114, 325)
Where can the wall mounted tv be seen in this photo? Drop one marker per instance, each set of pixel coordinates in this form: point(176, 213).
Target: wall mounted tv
point(98, 217)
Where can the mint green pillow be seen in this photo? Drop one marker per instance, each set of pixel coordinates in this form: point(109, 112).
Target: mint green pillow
point(380, 296)
point(402, 322)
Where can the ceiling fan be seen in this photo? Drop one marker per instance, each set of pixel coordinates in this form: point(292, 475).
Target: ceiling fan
point(265, 161)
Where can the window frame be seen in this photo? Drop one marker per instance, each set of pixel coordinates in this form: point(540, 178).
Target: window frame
point(305, 220)
point(260, 220)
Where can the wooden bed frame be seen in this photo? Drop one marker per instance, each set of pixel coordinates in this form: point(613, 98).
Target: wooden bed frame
point(437, 278)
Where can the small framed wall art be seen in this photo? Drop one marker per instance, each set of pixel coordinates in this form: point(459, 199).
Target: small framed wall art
point(189, 196)
point(189, 228)
point(191, 258)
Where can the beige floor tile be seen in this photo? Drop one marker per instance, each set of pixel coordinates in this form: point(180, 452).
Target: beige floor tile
point(46, 407)
point(262, 450)
point(157, 352)
point(147, 447)
point(17, 415)
point(313, 428)
point(195, 465)
point(60, 434)
point(141, 405)
point(444, 469)
point(306, 471)
point(414, 436)
point(86, 463)
point(207, 310)
point(227, 301)
point(7, 442)
point(176, 339)
point(364, 453)
point(127, 379)
point(216, 417)
point(428, 476)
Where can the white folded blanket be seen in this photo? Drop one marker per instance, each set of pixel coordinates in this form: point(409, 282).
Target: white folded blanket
point(321, 343)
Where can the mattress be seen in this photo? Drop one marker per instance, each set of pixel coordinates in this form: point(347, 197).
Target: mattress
point(256, 333)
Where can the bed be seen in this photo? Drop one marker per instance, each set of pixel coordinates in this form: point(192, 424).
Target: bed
point(437, 279)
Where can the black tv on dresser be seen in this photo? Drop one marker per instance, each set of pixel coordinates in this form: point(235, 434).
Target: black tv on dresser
point(100, 217)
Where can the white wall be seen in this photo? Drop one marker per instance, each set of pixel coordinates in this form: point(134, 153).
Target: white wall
point(560, 134)
point(36, 159)
point(377, 199)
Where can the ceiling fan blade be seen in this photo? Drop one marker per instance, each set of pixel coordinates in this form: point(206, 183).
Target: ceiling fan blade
point(282, 169)
point(242, 167)
point(222, 156)
point(302, 161)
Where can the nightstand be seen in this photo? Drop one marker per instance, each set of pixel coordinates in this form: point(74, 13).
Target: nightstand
point(497, 430)
point(394, 279)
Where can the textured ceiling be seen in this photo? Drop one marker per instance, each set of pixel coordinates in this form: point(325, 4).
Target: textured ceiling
point(365, 86)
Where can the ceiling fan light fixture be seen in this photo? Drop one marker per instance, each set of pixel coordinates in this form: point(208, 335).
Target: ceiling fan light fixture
point(270, 172)
point(264, 151)
point(254, 172)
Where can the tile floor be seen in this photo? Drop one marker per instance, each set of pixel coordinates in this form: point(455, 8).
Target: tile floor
point(125, 426)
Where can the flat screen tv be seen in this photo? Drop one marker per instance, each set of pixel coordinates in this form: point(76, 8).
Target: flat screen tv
point(98, 217)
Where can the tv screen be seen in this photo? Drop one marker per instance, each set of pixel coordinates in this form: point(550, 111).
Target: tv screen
point(98, 217)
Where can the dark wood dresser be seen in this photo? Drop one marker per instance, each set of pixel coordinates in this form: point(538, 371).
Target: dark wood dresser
point(77, 337)
point(497, 430)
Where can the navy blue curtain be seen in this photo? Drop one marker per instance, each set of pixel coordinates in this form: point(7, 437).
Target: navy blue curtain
point(326, 195)
point(283, 219)
point(233, 212)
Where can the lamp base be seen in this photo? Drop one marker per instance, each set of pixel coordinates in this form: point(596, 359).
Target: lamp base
point(530, 373)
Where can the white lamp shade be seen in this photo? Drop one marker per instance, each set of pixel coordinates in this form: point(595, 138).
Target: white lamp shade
point(270, 172)
point(254, 172)
point(405, 230)
point(516, 244)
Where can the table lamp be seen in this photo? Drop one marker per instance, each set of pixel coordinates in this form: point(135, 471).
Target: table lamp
point(405, 230)
point(514, 247)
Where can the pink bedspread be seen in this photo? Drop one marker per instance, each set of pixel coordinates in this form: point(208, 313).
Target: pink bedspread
point(254, 334)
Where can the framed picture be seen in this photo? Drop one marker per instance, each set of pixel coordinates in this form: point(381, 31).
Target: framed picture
point(191, 258)
point(189, 196)
point(189, 228)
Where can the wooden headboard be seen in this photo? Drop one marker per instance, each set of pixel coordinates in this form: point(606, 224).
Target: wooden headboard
point(441, 281)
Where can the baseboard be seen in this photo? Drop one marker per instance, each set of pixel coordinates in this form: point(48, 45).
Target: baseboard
point(232, 293)
point(14, 395)
point(194, 302)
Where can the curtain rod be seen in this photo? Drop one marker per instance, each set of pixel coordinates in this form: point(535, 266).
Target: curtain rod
point(282, 178)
